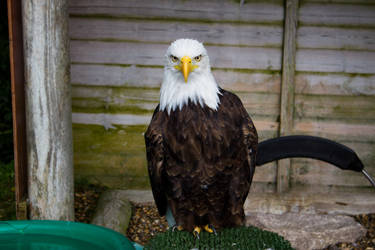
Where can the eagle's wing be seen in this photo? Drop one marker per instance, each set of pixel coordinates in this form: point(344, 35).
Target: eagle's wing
point(155, 161)
point(250, 138)
point(251, 141)
point(249, 131)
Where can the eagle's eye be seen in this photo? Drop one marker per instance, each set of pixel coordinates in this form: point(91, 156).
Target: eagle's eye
point(198, 58)
point(174, 58)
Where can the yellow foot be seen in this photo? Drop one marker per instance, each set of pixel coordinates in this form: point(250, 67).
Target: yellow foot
point(210, 229)
point(197, 231)
point(179, 228)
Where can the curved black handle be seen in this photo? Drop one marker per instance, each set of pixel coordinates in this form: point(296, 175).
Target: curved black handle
point(308, 147)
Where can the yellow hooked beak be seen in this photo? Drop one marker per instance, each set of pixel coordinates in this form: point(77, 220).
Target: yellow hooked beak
point(186, 67)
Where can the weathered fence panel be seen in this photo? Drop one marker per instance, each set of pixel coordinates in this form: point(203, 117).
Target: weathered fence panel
point(335, 85)
point(117, 51)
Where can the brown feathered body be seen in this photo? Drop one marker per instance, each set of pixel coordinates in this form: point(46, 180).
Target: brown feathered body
point(201, 162)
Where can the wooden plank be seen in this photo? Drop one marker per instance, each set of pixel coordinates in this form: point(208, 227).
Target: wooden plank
point(314, 172)
point(165, 32)
point(310, 169)
point(248, 81)
point(132, 76)
point(307, 199)
point(114, 100)
point(127, 106)
point(365, 152)
point(324, 14)
point(153, 54)
point(360, 109)
point(115, 94)
point(345, 132)
point(287, 87)
point(364, 2)
point(335, 84)
point(109, 121)
point(136, 100)
point(266, 125)
point(204, 10)
point(266, 173)
point(112, 75)
point(266, 129)
point(261, 104)
point(119, 182)
point(18, 104)
point(346, 61)
point(117, 152)
point(336, 38)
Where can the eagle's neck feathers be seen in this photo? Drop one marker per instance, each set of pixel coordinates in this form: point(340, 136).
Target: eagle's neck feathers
point(201, 89)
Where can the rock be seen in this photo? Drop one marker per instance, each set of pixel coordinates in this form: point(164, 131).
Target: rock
point(309, 231)
point(113, 211)
point(138, 196)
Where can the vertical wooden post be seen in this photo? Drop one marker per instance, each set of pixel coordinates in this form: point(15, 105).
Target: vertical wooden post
point(18, 104)
point(48, 109)
point(287, 87)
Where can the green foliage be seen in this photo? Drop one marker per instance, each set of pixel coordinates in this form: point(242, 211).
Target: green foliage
point(7, 204)
point(6, 180)
point(83, 184)
point(6, 137)
point(230, 238)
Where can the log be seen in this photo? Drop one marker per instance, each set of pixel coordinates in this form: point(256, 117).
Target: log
point(48, 109)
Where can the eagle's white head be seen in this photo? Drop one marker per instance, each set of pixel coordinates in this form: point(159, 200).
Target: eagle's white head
point(187, 75)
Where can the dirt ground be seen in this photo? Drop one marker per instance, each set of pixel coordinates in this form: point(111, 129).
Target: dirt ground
point(146, 223)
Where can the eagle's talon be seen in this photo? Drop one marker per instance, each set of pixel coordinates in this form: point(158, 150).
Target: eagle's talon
point(209, 228)
point(179, 228)
point(196, 232)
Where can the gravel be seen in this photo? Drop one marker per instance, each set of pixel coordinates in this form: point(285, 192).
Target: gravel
point(145, 222)
point(85, 202)
point(367, 242)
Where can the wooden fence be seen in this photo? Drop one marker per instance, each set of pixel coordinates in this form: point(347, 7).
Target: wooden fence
point(117, 50)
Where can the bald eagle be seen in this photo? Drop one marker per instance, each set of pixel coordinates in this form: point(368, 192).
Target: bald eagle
point(201, 144)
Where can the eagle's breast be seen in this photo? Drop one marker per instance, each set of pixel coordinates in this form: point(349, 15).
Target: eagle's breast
point(203, 144)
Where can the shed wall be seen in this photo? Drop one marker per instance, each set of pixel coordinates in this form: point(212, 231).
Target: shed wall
point(117, 50)
point(335, 86)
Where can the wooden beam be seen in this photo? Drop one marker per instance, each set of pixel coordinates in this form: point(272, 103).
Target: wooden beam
point(287, 87)
point(48, 109)
point(18, 104)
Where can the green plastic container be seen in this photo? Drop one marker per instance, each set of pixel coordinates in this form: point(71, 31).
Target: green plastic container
point(61, 235)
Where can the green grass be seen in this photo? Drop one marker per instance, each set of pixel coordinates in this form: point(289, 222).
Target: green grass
point(229, 238)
